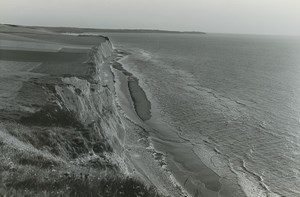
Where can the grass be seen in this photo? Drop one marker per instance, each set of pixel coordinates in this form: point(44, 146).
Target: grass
point(58, 161)
point(80, 187)
point(34, 175)
point(51, 115)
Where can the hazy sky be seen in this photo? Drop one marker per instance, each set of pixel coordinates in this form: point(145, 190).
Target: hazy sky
point(224, 16)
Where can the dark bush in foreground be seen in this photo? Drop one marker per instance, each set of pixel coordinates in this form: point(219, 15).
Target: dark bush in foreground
point(52, 116)
point(79, 186)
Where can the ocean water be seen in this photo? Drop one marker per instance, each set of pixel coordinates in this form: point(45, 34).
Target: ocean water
point(225, 109)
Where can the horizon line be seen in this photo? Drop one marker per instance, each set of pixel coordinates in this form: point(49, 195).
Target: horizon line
point(150, 30)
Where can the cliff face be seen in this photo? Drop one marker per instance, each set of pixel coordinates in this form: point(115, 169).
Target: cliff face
point(60, 130)
point(84, 103)
point(91, 101)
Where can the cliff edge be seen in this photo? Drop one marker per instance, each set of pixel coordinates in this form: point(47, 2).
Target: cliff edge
point(61, 131)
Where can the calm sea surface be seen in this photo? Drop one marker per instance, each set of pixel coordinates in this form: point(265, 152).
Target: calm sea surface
point(233, 99)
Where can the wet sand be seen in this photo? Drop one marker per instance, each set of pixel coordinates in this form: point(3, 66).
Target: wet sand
point(186, 169)
point(148, 162)
point(140, 101)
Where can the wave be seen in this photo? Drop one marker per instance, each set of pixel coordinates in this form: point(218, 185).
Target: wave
point(233, 177)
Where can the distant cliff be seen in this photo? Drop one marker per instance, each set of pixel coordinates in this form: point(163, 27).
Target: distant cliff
point(94, 30)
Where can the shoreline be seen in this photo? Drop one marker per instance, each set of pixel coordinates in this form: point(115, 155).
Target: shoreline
point(165, 179)
point(194, 178)
point(140, 101)
point(159, 157)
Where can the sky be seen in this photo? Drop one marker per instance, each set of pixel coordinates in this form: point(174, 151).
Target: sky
point(212, 16)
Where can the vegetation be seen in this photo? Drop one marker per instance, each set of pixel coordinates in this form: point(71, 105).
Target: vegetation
point(32, 165)
point(78, 185)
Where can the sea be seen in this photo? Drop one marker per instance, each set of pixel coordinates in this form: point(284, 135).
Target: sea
point(225, 109)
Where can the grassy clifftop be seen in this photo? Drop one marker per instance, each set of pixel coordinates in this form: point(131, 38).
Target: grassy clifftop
point(60, 130)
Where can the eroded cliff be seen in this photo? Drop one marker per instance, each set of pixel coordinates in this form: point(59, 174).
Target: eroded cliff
point(61, 132)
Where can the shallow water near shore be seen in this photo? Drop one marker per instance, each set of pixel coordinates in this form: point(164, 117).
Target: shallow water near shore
point(224, 109)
